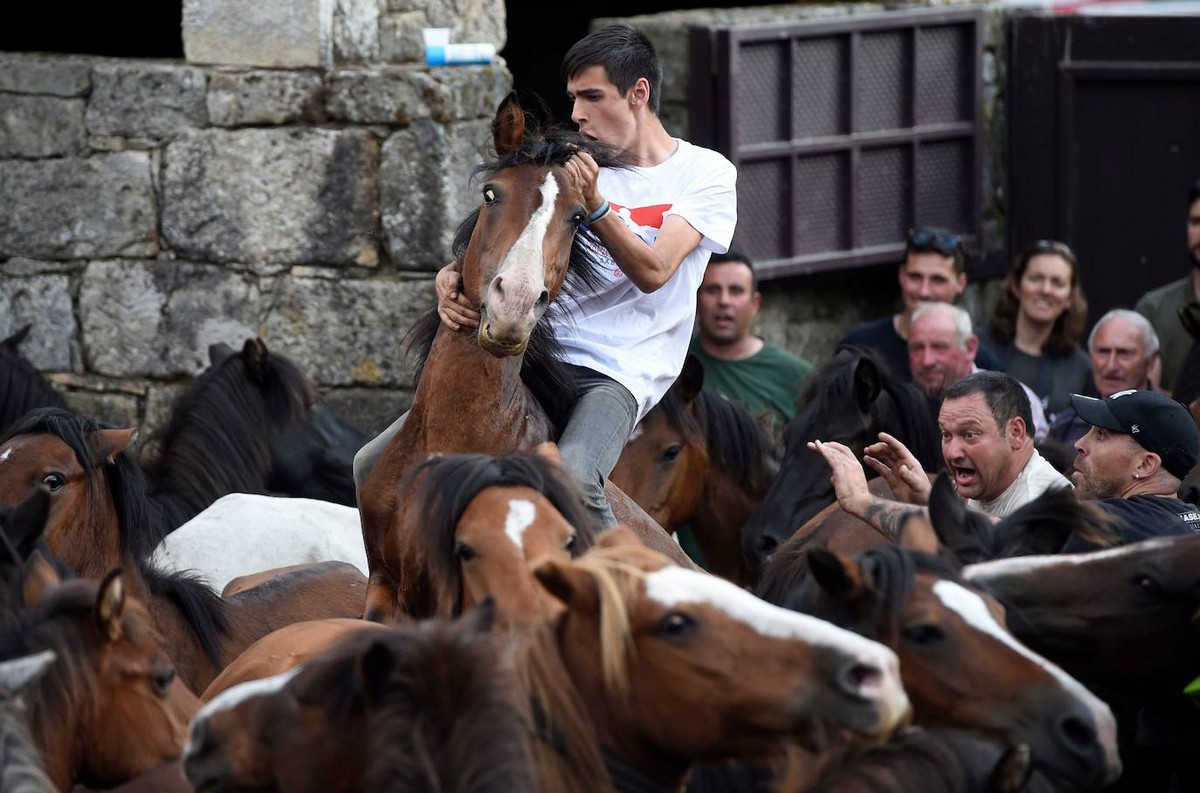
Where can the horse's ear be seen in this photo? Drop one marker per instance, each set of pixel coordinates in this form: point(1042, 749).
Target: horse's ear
point(838, 575)
point(110, 605)
point(549, 450)
point(959, 530)
point(691, 378)
point(917, 534)
point(571, 584)
point(218, 352)
point(1012, 771)
point(254, 356)
point(867, 383)
point(481, 617)
point(105, 445)
point(373, 670)
point(27, 523)
point(38, 579)
point(508, 127)
point(15, 340)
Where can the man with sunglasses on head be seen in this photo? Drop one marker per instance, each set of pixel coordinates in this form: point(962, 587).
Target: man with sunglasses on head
point(932, 271)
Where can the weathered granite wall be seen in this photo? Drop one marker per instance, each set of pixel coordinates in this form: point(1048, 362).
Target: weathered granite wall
point(299, 180)
point(150, 209)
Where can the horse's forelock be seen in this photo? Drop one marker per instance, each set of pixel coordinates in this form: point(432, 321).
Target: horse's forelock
point(616, 581)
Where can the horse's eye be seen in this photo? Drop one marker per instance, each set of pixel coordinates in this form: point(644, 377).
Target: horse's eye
point(163, 678)
point(489, 195)
point(578, 218)
point(924, 633)
point(464, 552)
point(676, 625)
point(1147, 584)
point(54, 481)
point(570, 545)
point(672, 452)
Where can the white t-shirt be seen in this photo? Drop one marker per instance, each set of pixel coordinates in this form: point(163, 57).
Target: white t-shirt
point(641, 339)
point(1035, 478)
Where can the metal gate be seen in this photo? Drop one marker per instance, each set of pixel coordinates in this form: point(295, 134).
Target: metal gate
point(845, 133)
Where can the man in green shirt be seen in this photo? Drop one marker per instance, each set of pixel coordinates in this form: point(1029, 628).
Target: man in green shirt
point(738, 364)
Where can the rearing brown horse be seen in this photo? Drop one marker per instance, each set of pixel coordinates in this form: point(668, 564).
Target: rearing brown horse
point(517, 251)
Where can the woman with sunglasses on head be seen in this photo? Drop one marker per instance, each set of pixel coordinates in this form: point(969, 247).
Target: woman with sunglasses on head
point(1038, 324)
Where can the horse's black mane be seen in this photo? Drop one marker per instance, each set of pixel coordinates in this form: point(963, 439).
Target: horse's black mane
point(832, 382)
point(217, 440)
point(542, 368)
point(439, 705)
point(449, 482)
point(734, 439)
point(23, 387)
point(140, 520)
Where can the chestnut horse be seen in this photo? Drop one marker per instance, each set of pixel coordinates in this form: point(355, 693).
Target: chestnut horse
point(101, 518)
point(110, 676)
point(960, 666)
point(850, 399)
point(700, 462)
point(428, 706)
point(517, 252)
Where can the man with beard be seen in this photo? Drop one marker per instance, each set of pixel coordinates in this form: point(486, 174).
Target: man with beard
point(984, 420)
point(1139, 448)
point(1162, 306)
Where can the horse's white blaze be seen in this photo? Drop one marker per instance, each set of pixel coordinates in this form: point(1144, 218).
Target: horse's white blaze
point(4, 455)
point(1048, 563)
point(974, 611)
point(521, 513)
point(523, 262)
point(232, 697)
point(637, 433)
point(671, 586)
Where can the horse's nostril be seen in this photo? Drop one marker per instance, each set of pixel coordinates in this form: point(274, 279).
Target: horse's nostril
point(861, 680)
point(1078, 732)
point(543, 299)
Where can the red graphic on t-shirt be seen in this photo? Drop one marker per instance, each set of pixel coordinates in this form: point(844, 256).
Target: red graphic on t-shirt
point(651, 216)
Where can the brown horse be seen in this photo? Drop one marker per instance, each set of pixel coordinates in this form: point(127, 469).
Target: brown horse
point(428, 706)
point(960, 666)
point(471, 397)
point(101, 519)
point(110, 676)
point(656, 656)
point(699, 461)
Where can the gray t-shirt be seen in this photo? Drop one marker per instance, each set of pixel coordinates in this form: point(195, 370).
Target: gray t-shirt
point(1035, 478)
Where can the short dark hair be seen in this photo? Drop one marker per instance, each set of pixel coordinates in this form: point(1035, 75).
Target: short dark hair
point(933, 239)
point(737, 256)
point(626, 55)
point(1005, 397)
point(1193, 193)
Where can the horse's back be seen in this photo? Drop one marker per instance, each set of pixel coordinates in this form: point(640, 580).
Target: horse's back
point(286, 648)
point(628, 513)
point(246, 533)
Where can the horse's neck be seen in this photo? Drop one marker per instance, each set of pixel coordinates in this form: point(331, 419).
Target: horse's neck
point(470, 400)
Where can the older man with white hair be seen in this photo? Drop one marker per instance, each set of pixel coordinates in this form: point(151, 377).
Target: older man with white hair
point(941, 351)
point(1124, 348)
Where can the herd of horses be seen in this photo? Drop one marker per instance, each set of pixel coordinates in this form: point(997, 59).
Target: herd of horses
point(480, 633)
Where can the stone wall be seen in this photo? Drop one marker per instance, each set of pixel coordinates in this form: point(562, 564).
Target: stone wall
point(300, 182)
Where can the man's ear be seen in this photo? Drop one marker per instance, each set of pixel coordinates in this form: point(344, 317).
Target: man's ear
point(1017, 432)
point(639, 94)
point(971, 345)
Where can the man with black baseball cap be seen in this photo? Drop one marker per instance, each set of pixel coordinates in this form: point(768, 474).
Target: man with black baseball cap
point(1140, 445)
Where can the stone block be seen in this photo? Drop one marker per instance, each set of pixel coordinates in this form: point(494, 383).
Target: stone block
point(41, 126)
point(283, 34)
point(356, 31)
point(294, 196)
point(76, 208)
point(146, 100)
point(49, 75)
point(242, 99)
point(157, 319)
point(425, 190)
point(118, 410)
point(43, 300)
point(403, 95)
point(370, 409)
point(347, 332)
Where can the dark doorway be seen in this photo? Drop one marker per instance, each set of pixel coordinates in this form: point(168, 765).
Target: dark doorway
point(131, 29)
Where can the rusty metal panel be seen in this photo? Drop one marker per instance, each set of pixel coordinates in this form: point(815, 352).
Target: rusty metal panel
point(845, 132)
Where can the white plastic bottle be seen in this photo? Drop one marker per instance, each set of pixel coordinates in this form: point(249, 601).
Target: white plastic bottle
point(460, 53)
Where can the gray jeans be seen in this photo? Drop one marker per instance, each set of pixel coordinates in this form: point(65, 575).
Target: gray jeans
point(591, 444)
